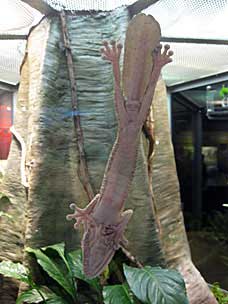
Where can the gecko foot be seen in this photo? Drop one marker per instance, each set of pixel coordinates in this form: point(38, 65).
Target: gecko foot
point(83, 216)
point(162, 58)
point(111, 52)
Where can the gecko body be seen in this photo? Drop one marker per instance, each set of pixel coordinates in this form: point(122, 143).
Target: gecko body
point(104, 218)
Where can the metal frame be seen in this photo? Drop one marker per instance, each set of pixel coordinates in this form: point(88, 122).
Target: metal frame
point(13, 37)
point(196, 111)
point(41, 6)
point(194, 40)
point(135, 8)
point(198, 82)
point(140, 5)
point(8, 87)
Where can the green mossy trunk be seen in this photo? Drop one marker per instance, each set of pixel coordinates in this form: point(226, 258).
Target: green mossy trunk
point(44, 119)
point(53, 178)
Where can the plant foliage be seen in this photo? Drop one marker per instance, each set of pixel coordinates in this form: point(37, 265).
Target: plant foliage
point(117, 294)
point(220, 296)
point(67, 284)
point(156, 285)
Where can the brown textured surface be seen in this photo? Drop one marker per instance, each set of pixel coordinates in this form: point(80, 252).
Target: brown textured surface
point(53, 178)
point(12, 229)
point(168, 206)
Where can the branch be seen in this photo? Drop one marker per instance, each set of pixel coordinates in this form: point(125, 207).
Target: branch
point(41, 6)
point(139, 5)
point(83, 173)
point(130, 257)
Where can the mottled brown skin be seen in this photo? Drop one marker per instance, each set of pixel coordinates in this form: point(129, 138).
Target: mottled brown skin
point(104, 219)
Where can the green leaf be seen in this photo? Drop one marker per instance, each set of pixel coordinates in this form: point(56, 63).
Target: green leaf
point(154, 285)
point(34, 296)
point(57, 300)
point(29, 296)
point(75, 261)
point(54, 271)
point(2, 213)
point(60, 248)
point(14, 270)
point(117, 294)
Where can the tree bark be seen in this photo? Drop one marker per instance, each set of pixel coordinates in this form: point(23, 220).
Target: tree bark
point(12, 228)
point(168, 205)
point(44, 119)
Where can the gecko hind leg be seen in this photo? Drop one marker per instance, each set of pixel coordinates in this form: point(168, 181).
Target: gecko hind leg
point(120, 238)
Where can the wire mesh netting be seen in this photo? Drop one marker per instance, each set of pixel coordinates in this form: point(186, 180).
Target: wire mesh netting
point(194, 61)
point(11, 55)
point(17, 17)
point(72, 5)
point(192, 19)
point(178, 19)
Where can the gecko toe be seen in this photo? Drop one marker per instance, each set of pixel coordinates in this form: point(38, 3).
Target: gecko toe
point(72, 206)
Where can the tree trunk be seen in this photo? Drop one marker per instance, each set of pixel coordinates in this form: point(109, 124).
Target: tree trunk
point(12, 228)
point(53, 180)
point(168, 205)
point(44, 119)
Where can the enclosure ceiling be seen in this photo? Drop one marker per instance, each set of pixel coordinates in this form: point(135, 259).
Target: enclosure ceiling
point(179, 20)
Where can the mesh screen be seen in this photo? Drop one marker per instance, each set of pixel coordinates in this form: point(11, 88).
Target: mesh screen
point(14, 15)
point(178, 18)
point(193, 18)
point(11, 55)
point(104, 5)
point(194, 61)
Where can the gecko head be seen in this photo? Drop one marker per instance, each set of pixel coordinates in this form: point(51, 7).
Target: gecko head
point(98, 248)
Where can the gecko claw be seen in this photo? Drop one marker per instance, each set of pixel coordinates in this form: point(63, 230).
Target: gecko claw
point(162, 58)
point(105, 43)
point(72, 206)
point(111, 51)
point(119, 46)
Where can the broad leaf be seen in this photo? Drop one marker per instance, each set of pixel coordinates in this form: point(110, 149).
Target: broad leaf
point(37, 296)
point(60, 248)
point(54, 271)
point(154, 285)
point(14, 270)
point(30, 296)
point(57, 300)
point(75, 261)
point(117, 294)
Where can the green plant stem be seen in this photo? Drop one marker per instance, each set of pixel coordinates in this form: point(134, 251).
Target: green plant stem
point(33, 285)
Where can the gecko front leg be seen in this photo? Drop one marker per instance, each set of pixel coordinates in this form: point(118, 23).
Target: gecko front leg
point(84, 216)
point(112, 52)
point(160, 59)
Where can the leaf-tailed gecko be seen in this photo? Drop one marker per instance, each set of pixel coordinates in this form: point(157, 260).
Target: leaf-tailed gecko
point(104, 219)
